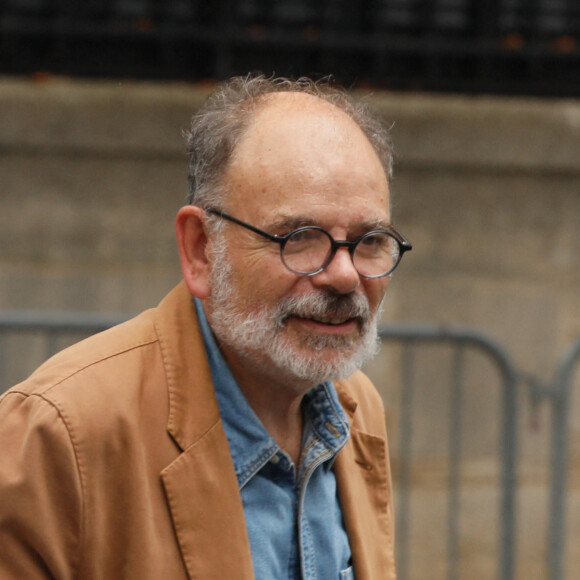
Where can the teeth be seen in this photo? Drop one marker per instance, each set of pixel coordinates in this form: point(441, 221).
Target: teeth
point(333, 321)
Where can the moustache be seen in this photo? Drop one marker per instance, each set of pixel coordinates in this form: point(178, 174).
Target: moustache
point(325, 305)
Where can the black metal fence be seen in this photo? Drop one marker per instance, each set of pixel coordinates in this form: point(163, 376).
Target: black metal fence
point(492, 46)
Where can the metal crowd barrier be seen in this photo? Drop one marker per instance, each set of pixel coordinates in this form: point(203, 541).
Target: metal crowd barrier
point(460, 341)
point(57, 330)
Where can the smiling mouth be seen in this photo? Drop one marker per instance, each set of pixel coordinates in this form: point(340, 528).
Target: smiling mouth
point(330, 323)
point(325, 313)
point(330, 320)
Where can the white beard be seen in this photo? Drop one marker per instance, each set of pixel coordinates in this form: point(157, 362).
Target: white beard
point(260, 332)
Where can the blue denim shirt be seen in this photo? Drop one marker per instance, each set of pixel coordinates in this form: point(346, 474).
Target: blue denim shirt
point(294, 520)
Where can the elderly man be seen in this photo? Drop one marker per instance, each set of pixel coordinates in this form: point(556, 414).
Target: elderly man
point(227, 433)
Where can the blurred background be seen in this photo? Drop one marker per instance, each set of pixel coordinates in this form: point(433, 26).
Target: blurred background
point(479, 368)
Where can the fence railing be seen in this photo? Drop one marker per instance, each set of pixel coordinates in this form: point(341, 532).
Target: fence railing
point(460, 342)
point(506, 46)
point(436, 366)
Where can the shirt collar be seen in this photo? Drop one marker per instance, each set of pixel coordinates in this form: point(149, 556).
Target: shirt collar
point(250, 444)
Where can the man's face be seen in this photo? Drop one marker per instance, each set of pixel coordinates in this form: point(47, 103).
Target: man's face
point(302, 162)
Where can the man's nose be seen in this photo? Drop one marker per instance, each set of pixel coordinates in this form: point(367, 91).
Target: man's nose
point(340, 274)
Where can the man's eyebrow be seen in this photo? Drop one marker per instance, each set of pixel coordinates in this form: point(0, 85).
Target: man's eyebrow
point(289, 223)
point(378, 224)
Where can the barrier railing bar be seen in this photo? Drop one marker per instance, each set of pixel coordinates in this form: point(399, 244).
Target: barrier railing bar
point(455, 431)
point(406, 435)
point(2, 360)
point(507, 546)
point(559, 460)
point(29, 320)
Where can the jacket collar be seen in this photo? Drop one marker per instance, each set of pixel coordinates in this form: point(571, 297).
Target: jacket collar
point(193, 408)
point(364, 487)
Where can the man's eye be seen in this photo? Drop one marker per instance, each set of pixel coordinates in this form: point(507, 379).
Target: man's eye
point(304, 236)
point(377, 242)
point(373, 240)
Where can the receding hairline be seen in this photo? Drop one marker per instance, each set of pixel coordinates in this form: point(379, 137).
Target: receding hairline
point(231, 111)
point(286, 99)
point(273, 106)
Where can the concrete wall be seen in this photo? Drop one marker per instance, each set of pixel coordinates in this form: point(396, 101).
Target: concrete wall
point(487, 189)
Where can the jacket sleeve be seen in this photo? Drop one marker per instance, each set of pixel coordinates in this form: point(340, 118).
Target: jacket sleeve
point(40, 492)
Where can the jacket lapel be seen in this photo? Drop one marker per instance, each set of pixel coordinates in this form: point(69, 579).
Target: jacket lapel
point(365, 494)
point(201, 486)
point(207, 512)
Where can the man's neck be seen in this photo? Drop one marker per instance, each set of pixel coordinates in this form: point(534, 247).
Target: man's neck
point(278, 405)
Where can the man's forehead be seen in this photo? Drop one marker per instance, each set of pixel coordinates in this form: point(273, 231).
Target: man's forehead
point(290, 124)
point(303, 151)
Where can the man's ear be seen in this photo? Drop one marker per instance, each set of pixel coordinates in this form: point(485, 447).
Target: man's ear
point(192, 244)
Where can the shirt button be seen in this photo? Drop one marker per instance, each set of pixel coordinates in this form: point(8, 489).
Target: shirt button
point(275, 459)
point(332, 429)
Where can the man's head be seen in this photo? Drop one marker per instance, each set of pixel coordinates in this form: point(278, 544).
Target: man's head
point(280, 155)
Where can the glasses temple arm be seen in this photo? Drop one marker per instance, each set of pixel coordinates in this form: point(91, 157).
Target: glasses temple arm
point(254, 229)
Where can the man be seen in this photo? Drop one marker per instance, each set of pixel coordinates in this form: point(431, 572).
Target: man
point(227, 433)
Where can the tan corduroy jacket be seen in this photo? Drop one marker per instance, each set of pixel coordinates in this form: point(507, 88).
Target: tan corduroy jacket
point(114, 464)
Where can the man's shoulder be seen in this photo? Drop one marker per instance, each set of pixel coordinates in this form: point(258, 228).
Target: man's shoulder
point(92, 359)
point(109, 385)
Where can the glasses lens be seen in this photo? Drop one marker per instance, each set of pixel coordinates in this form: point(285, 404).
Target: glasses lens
point(306, 250)
point(376, 254)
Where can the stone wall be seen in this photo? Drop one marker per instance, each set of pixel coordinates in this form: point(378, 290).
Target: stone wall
point(487, 189)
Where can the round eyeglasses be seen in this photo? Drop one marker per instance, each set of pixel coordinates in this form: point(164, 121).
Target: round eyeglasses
point(308, 250)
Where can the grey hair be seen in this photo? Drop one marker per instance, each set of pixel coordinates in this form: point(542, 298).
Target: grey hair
point(221, 122)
